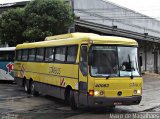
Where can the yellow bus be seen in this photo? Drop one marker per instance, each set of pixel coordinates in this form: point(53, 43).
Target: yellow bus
point(84, 69)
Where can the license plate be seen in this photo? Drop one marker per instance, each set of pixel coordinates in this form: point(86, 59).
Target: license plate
point(117, 103)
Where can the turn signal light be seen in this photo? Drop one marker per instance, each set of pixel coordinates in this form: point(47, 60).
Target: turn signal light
point(91, 92)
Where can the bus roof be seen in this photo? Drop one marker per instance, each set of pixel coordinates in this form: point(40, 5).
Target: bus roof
point(7, 48)
point(70, 35)
point(79, 38)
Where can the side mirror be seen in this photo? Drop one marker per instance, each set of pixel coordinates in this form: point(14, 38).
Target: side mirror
point(90, 58)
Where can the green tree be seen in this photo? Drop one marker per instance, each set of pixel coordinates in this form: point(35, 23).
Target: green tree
point(12, 27)
point(46, 18)
point(40, 18)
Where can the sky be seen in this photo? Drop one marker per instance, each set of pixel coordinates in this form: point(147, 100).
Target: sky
point(10, 1)
point(148, 7)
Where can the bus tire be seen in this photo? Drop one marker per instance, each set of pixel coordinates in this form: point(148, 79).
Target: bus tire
point(67, 96)
point(73, 104)
point(26, 87)
point(33, 91)
point(113, 107)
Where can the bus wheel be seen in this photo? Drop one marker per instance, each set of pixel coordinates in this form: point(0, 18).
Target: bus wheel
point(26, 87)
point(33, 91)
point(112, 108)
point(67, 96)
point(72, 101)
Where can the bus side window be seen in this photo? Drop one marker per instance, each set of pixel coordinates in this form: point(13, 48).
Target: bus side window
point(16, 57)
point(3, 56)
point(40, 54)
point(6, 55)
point(19, 53)
point(83, 60)
point(49, 54)
point(60, 54)
point(72, 54)
point(25, 55)
point(31, 55)
point(11, 56)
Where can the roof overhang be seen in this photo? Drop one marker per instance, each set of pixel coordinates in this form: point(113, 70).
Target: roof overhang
point(116, 31)
point(15, 4)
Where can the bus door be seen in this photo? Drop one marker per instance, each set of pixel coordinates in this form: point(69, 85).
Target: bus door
point(83, 73)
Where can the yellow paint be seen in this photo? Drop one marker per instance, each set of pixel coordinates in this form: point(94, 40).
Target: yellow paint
point(42, 72)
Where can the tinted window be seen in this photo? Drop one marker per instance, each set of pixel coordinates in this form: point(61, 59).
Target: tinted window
point(72, 53)
point(7, 55)
point(31, 55)
point(49, 54)
point(19, 52)
point(40, 54)
point(128, 61)
point(60, 54)
point(104, 61)
point(25, 55)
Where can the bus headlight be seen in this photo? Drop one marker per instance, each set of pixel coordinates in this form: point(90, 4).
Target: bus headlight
point(96, 93)
point(138, 91)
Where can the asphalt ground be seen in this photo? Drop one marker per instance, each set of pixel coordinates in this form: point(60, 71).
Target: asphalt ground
point(16, 104)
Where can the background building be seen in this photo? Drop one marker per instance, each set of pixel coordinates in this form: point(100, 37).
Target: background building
point(6, 6)
point(103, 17)
point(106, 18)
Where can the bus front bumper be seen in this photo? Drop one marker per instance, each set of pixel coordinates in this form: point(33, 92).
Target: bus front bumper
point(104, 101)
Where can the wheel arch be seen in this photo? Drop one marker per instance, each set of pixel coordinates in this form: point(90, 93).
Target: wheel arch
point(67, 93)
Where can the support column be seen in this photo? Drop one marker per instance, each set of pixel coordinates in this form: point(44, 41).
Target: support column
point(155, 62)
point(145, 56)
point(155, 52)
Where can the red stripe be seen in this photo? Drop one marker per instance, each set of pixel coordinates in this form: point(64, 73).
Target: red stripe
point(62, 82)
point(21, 74)
point(22, 71)
point(22, 68)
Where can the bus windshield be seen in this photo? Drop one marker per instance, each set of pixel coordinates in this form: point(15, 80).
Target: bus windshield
point(128, 62)
point(114, 61)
